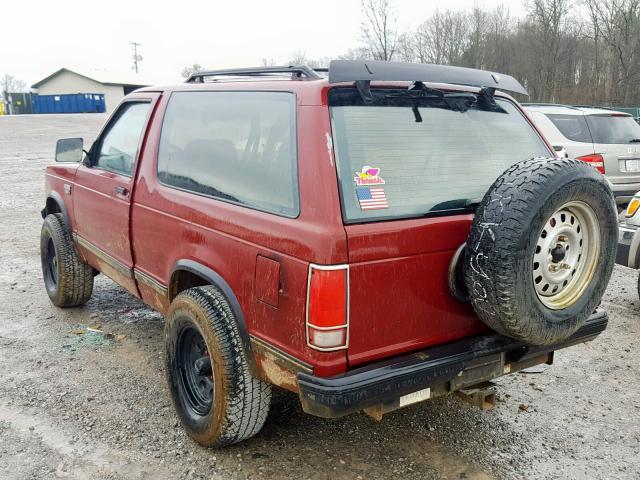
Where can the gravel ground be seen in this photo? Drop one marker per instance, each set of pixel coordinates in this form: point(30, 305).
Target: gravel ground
point(93, 407)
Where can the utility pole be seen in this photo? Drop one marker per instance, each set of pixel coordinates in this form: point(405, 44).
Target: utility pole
point(136, 58)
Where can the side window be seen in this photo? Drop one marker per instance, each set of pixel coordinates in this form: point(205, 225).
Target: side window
point(574, 127)
point(235, 146)
point(119, 145)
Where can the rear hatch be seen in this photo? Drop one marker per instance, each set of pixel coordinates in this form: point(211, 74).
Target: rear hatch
point(616, 137)
point(412, 171)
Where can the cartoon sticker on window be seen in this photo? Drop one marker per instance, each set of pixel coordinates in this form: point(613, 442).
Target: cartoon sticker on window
point(368, 176)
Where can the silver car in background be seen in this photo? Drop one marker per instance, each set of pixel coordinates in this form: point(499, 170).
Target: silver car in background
point(628, 253)
point(607, 139)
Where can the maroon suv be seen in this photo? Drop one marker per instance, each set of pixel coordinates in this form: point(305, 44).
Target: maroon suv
point(391, 233)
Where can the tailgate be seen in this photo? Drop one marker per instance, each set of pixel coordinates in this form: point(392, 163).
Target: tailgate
point(616, 137)
point(622, 162)
point(399, 298)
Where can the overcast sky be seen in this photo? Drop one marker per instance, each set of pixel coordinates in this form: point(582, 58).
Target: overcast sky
point(39, 37)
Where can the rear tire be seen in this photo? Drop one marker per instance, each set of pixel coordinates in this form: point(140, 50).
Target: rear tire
point(541, 249)
point(216, 397)
point(68, 280)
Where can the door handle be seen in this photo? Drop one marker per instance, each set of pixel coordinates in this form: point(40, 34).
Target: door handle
point(121, 191)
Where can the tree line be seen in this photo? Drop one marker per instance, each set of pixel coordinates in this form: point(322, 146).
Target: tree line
point(562, 51)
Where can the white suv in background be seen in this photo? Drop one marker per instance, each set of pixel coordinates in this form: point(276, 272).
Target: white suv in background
point(607, 139)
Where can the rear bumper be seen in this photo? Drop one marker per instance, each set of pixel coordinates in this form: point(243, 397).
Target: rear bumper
point(441, 369)
point(623, 193)
point(628, 245)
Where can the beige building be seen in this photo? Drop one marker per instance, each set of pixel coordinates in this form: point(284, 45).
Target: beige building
point(66, 81)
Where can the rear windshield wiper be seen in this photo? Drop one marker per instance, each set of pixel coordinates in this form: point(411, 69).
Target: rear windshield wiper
point(634, 140)
point(456, 101)
point(459, 102)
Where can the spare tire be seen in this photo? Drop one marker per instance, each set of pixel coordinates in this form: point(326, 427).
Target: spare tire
point(541, 249)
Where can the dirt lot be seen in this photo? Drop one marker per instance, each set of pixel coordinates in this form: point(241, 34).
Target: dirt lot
point(91, 407)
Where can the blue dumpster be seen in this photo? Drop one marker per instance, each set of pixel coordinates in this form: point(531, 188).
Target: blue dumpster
point(69, 103)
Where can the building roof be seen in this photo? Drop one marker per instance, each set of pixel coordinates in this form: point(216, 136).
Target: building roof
point(131, 82)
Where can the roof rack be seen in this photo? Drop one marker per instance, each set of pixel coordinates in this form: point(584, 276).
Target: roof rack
point(296, 72)
point(366, 71)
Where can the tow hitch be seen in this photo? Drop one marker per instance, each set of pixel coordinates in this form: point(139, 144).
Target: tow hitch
point(482, 395)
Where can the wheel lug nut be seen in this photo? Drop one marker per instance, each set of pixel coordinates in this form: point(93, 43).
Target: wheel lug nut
point(565, 266)
point(562, 238)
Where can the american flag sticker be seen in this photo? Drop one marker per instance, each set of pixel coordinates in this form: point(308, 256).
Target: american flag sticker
point(371, 198)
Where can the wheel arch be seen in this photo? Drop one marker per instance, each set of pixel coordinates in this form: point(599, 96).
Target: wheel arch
point(55, 204)
point(189, 273)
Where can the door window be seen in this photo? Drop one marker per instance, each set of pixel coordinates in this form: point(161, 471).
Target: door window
point(119, 145)
point(574, 127)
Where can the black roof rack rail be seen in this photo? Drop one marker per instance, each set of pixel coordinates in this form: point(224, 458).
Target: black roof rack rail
point(372, 70)
point(297, 72)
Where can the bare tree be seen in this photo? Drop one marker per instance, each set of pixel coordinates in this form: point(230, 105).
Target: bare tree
point(10, 84)
point(379, 30)
point(478, 23)
point(299, 57)
point(187, 71)
point(406, 47)
point(360, 53)
point(443, 38)
point(499, 42)
point(567, 51)
point(617, 22)
point(548, 19)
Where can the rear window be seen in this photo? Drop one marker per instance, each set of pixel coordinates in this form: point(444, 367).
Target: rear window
point(573, 127)
point(238, 147)
point(404, 161)
point(613, 128)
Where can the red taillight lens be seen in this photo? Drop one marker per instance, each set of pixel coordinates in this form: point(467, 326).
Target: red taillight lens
point(327, 323)
point(594, 160)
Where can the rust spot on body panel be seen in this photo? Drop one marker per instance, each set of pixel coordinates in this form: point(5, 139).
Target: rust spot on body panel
point(275, 374)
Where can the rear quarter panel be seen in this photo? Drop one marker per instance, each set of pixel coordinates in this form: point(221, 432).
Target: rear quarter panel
point(169, 225)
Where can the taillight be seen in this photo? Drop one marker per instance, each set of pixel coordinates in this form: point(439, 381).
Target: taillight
point(594, 160)
point(328, 307)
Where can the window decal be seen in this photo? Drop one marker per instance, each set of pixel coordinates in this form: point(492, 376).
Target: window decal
point(371, 198)
point(368, 176)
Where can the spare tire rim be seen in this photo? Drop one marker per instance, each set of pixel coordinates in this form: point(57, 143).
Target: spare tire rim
point(566, 255)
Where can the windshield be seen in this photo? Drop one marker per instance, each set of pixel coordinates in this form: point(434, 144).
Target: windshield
point(613, 128)
point(396, 163)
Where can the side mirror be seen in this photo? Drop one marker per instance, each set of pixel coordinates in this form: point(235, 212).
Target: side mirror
point(69, 150)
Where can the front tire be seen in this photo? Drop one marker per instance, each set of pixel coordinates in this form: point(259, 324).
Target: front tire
point(216, 397)
point(68, 280)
